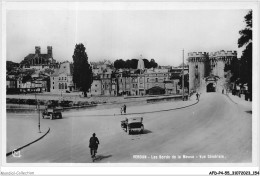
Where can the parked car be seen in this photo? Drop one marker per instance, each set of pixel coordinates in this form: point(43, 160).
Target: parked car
point(52, 113)
point(133, 124)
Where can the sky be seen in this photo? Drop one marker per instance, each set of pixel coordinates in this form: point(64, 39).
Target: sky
point(123, 34)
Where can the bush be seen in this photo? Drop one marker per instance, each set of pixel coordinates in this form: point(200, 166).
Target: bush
point(32, 101)
point(66, 103)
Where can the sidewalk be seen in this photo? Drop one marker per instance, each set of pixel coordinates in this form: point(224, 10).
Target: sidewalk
point(240, 100)
point(21, 131)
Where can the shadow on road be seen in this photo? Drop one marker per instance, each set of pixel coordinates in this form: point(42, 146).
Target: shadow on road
point(145, 132)
point(101, 157)
point(249, 112)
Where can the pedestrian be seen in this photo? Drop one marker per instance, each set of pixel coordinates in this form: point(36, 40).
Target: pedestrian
point(197, 95)
point(124, 108)
point(93, 145)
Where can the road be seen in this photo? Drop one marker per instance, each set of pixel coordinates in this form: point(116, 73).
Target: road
point(215, 130)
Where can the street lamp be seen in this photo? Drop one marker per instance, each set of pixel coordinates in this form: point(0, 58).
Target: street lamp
point(39, 119)
point(183, 75)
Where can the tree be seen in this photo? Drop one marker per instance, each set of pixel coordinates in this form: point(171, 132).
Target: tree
point(11, 65)
point(82, 71)
point(153, 64)
point(119, 64)
point(127, 64)
point(245, 40)
point(146, 63)
point(134, 63)
point(26, 78)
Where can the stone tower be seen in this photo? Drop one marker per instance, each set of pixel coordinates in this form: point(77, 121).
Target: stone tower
point(49, 51)
point(215, 62)
point(37, 50)
point(196, 69)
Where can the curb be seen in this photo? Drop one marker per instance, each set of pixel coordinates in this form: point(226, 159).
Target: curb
point(16, 150)
point(231, 99)
point(146, 112)
point(162, 110)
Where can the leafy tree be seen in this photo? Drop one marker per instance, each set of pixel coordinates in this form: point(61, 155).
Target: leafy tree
point(127, 64)
point(153, 64)
point(146, 63)
point(134, 63)
point(82, 71)
point(245, 40)
point(119, 64)
point(11, 65)
point(26, 78)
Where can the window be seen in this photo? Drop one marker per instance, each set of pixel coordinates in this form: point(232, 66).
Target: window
point(65, 78)
point(147, 79)
point(53, 87)
point(156, 79)
point(53, 78)
point(65, 86)
point(59, 78)
point(53, 83)
point(95, 90)
point(59, 85)
point(95, 85)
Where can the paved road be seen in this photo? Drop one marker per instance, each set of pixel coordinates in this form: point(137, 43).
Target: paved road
point(214, 130)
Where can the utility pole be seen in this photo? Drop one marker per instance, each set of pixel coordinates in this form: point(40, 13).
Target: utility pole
point(183, 75)
point(38, 108)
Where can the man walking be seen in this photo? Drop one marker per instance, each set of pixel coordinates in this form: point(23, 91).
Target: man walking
point(197, 95)
point(124, 108)
point(93, 145)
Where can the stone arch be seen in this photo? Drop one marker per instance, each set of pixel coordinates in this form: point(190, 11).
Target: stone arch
point(211, 87)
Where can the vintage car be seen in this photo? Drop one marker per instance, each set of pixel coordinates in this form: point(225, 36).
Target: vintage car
point(52, 113)
point(133, 124)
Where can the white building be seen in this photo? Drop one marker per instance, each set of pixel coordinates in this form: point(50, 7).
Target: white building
point(61, 79)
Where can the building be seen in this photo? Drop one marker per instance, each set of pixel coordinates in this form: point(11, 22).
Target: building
point(38, 60)
point(206, 70)
point(61, 80)
point(123, 80)
point(154, 80)
point(96, 87)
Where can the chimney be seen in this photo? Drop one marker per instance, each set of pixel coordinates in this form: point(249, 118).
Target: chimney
point(37, 50)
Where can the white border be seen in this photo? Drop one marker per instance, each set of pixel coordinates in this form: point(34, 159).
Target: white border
point(153, 169)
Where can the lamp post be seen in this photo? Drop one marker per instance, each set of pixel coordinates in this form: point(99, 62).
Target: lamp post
point(39, 119)
point(183, 75)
